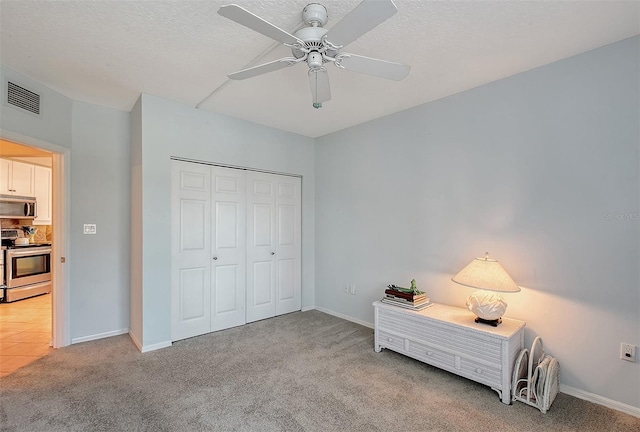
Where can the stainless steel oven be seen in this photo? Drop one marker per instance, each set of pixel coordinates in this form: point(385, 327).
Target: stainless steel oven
point(28, 271)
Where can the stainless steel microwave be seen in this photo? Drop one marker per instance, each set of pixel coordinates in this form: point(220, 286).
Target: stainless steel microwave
point(17, 207)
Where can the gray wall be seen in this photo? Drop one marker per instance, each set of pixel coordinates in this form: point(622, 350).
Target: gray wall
point(540, 169)
point(170, 129)
point(54, 123)
point(135, 310)
point(100, 185)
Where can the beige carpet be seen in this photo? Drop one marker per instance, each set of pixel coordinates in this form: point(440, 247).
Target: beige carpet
point(306, 371)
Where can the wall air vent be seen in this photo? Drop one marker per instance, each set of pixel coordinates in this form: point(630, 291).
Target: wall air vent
point(22, 98)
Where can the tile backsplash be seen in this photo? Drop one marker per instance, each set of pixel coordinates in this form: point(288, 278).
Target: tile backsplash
point(43, 234)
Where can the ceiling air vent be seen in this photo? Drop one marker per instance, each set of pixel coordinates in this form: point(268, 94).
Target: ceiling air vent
point(23, 98)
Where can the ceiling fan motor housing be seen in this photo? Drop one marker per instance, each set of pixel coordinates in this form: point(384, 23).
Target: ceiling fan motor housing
point(312, 38)
point(314, 14)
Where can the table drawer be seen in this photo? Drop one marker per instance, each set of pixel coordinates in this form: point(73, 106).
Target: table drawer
point(484, 374)
point(391, 341)
point(418, 351)
point(431, 355)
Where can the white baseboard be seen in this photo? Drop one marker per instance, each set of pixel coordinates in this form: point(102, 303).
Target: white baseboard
point(148, 348)
point(156, 346)
point(345, 317)
point(99, 336)
point(591, 397)
point(135, 341)
point(307, 308)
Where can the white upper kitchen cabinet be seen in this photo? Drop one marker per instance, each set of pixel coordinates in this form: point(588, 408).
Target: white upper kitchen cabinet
point(16, 178)
point(42, 189)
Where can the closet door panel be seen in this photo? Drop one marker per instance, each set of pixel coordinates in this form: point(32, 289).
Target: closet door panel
point(190, 249)
point(227, 225)
point(286, 280)
point(263, 281)
point(193, 294)
point(228, 261)
point(261, 246)
point(193, 217)
point(263, 226)
point(288, 254)
point(227, 290)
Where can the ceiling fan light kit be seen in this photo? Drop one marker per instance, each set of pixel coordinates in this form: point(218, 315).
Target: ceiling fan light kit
point(317, 45)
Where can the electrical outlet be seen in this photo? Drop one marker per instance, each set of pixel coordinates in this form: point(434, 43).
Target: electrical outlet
point(347, 288)
point(352, 289)
point(628, 352)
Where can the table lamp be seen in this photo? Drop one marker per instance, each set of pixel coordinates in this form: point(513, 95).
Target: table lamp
point(486, 274)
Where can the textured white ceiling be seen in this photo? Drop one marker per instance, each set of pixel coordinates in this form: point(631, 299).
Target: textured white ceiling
point(108, 52)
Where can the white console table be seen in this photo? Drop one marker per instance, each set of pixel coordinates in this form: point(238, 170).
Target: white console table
point(447, 337)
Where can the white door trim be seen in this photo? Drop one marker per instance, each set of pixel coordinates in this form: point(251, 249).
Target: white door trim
point(59, 253)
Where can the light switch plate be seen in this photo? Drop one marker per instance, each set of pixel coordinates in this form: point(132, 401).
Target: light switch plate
point(89, 228)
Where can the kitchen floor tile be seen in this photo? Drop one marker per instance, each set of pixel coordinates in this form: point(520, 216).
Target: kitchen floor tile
point(25, 332)
point(27, 336)
point(26, 349)
point(9, 364)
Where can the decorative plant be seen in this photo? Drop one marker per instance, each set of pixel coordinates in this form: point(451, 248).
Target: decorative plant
point(413, 290)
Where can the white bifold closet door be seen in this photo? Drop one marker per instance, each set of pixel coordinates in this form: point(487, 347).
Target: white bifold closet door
point(190, 250)
point(235, 242)
point(228, 247)
point(273, 245)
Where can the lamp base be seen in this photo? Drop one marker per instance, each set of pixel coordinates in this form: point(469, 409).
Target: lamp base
point(487, 305)
point(493, 322)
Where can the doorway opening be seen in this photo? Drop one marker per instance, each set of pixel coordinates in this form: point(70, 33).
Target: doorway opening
point(31, 327)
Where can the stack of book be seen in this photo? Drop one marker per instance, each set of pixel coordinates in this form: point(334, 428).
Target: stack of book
point(405, 298)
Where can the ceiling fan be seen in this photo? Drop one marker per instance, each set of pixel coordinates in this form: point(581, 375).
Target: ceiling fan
point(316, 45)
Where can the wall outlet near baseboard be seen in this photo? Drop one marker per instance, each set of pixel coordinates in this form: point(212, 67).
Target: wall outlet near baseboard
point(628, 352)
point(352, 289)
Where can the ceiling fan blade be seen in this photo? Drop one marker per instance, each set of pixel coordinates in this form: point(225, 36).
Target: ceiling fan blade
point(363, 18)
point(372, 66)
point(263, 68)
point(254, 22)
point(320, 90)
